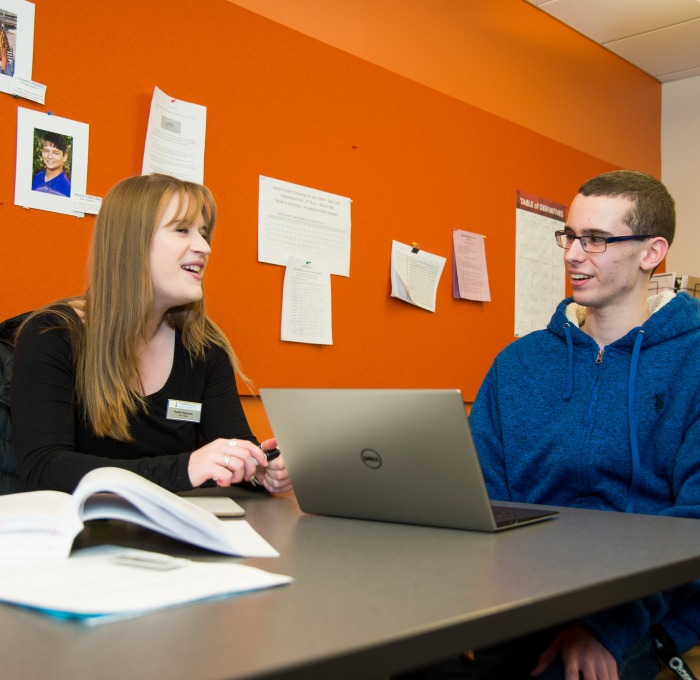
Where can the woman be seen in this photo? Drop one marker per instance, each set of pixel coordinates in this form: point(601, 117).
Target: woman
point(134, 374)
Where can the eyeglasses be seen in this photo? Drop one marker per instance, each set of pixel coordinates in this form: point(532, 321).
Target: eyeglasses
point(593, 244)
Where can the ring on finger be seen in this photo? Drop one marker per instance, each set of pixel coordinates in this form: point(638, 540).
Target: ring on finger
point(232, 442)
point(227, 458)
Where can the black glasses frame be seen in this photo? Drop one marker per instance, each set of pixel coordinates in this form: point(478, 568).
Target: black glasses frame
point(566, 239)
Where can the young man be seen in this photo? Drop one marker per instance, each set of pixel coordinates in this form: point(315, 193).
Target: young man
point(54, 154)
point(601, 410)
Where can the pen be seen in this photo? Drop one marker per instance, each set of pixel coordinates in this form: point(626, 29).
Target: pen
point(270, 455)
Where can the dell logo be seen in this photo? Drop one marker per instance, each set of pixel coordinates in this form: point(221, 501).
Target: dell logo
point(371, 458)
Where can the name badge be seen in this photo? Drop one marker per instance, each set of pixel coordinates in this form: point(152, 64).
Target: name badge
point(184, 410)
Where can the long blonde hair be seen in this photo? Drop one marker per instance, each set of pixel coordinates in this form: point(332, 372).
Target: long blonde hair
point(119, 299)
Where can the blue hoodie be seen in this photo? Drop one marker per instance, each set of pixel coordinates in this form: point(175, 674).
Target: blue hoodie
point(560, 422)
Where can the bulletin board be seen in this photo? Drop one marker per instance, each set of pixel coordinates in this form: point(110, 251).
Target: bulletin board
point(416, 164)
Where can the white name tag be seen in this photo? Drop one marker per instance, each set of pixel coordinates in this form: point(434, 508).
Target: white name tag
point(184, 410)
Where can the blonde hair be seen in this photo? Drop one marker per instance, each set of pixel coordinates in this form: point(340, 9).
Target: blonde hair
point(119, 299)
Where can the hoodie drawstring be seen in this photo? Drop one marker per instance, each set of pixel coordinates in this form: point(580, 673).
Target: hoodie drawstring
point(570, 363)
point(634, 444)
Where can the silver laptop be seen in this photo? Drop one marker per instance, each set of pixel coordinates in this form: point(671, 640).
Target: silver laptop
point(391, 455)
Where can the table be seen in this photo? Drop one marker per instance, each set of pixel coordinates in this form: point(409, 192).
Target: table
point(369, 598)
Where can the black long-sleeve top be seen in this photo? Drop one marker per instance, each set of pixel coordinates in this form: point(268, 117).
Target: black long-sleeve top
point(55, 447)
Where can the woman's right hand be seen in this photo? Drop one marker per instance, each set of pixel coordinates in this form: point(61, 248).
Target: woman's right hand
point(226, 461)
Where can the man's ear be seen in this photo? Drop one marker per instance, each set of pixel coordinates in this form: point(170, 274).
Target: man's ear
point(654, 253)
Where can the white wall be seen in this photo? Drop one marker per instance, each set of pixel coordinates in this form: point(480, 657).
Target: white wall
point(680, 169)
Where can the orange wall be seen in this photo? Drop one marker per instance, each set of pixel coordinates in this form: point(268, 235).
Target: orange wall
point(416, 162)
point(503, 56)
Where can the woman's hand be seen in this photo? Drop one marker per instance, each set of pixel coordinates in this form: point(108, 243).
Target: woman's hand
point(274, 477)
point(227, 461)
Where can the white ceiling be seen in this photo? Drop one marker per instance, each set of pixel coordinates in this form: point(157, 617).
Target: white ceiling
point(661, 37)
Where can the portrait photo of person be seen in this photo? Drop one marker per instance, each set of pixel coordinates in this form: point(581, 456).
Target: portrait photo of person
point(51, 167)
point(8, 40)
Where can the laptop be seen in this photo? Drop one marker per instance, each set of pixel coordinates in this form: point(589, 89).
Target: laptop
point(390, 455)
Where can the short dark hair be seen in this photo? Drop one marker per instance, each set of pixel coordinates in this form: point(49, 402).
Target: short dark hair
point(59, 141)
point(654, 210)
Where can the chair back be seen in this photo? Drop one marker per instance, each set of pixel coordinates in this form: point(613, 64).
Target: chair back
point(9, 479)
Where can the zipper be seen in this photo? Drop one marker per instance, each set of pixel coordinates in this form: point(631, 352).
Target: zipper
point(599, 358)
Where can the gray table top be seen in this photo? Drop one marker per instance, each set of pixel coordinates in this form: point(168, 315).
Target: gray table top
point(369, 598)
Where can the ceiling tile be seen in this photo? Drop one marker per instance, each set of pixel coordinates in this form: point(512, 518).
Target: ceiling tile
point(663, 52)
point(661, 37)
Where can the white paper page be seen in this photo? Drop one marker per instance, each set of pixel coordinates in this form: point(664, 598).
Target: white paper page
point(221, 506)
point(306, 302)
point(86, 204)
point(30, 126)
point(18, 17)
point(163, 511)
point(175, 138)
point(539, 263)
point(93, 583)
point(37, 526)
point(308, 223)
point(28, 89)
point(415, 276)
point(37, 509)
point(234, 537)
point(470, 263)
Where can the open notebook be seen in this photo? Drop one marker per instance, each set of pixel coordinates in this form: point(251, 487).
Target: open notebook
point(391, 455)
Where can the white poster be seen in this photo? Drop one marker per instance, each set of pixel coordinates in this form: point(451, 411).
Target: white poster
point(539, 262)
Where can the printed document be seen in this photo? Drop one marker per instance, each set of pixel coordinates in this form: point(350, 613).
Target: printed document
point(109, 583)
point(470, 278)
point(41, 525)
point(307, 223)
point(415, 275)
point(306, 302)
point(175, 138)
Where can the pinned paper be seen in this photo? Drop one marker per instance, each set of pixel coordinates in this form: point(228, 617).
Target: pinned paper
point(304, 222)
point(52, 158)
point(415, 275)
point(306, 302)
point(470, 278)
point(175, 138)
point(17, 39)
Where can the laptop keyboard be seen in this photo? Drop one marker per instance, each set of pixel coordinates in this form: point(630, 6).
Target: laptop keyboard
point(505, 515)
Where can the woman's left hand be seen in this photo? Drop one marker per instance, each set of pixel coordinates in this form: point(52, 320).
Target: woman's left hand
point(274, 477)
